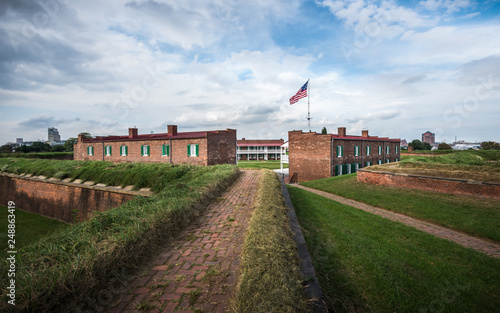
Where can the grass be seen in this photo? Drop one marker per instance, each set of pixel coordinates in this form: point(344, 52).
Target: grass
point(40, 155)
point(472, 215)
point(366, 263)
point(59, 272)
point(30, 228)
point(270, 165)
point(269, 270)
point(481, 165)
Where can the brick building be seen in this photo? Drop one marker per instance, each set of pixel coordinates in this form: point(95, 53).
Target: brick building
point(262, 149)
point(201, 148)
point(314, 156)
point(429, 137)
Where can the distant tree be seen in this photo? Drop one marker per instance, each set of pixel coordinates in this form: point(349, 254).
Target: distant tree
point(490, 145)
point(24, 149)
point(444, 146)
point(39, 146)
point(418, 145)
point(58, 148)
point(324, 131)
point(427, 146)
point(86, 135)
point(68, 145)
point(6, 149)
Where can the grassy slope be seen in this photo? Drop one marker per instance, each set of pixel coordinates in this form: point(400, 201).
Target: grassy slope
point(30, 228)
point(369, 264)
point(60, 270)
point(475, 216)
point(270, 275)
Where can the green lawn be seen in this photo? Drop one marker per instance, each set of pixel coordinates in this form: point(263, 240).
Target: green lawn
point(366, 263)
point(269, 165)
point(472, 215)
point(30, 228)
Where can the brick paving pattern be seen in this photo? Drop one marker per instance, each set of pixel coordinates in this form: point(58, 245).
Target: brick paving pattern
point(198, 272)
point(484, 246)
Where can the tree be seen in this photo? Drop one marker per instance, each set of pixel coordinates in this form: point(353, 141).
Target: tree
point(427, 146)
point(6, 149)
point(418, 145)
point(490, 145)
point(444, 146)
point(86, 135)
point(324, 131)
point(39, 146)
point(58, 148)
point(68, 145)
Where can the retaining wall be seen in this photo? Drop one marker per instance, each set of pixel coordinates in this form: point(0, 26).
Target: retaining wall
point(439, 184)
point(62, 200)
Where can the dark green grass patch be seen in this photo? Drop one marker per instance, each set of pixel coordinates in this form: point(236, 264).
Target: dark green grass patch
point(366, 263)
point(80, 267)
point(472, 215)
point(29, 228)
point(40, 155)
point(269, 271)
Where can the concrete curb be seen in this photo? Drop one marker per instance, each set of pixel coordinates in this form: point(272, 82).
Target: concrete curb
point(313, 289)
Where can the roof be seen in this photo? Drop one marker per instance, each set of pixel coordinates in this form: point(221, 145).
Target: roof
point(370, 138)
point(187, 135)
point(260, 142)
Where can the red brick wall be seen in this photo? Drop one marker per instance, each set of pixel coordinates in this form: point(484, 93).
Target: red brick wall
point(63, 201)
point(430, 184)
point(309, 155)
point(216, 148)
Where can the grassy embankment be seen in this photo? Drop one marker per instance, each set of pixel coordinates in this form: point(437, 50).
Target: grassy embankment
point(366, 263)
point(30, 228)
point(40, 155)
point(472, 215)
point(481, 165)
point(270, 275)
point(81, 266)
point(270, 165)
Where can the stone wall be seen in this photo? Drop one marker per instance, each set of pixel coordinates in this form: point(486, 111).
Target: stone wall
point(446, 185)
point(65, 201)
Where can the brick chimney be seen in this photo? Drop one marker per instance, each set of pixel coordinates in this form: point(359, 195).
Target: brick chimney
point(172, 129)
point(341, 131)
point(364, 133)
point(132, 132)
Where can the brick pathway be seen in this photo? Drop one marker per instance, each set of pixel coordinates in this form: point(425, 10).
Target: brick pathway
point(198, 272)
point(484, 246)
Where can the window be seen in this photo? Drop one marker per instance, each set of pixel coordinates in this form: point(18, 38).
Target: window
point(107, 150)
point(396, 149)
point(368, 150)
point(379, 162)
point(396, 160)
point(90, 150)
point(145, 150)
point(387, 149)
point(338, 170)
point(192, 150)
point(123, 150)
point(379, 150)
point(349, 168)
point(368, 163)
point(388, 161)
point(165, 150)
point(356, 150)
point(340, 151)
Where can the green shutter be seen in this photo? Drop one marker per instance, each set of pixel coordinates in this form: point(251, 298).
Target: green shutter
point(353, 168)
point(148, 150)
point(168, 149)
point(110, 150)
point(189, 150)
point(338, 154)
point(88, 150)
point(126, 150)
point(163, 150)
point(197, 151)
point(142, 150)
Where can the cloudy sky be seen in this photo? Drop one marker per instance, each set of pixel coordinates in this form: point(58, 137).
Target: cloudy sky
point(396, 68)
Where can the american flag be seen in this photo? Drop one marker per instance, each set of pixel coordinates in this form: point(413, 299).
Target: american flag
point(302, 93)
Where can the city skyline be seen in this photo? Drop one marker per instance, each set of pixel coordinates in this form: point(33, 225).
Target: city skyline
point(397, 68)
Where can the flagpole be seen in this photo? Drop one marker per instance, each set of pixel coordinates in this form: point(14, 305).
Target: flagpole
point(308, 104)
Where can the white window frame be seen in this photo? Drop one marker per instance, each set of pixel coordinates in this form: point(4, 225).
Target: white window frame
point(107, 150)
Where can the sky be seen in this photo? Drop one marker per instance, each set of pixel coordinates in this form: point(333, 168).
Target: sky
point(396, 68)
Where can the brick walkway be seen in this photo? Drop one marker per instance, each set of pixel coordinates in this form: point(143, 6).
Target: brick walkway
point(484, 246)
point(198, 272)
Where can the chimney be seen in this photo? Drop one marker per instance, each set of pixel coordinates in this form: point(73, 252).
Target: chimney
point(341, 131)
point(242, 138)
point(172, 129)
point(132, 132)
point(364, 133)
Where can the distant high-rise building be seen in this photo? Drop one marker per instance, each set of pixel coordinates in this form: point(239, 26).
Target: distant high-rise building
point(54, 135)
point(429, 137)
point(19, 142)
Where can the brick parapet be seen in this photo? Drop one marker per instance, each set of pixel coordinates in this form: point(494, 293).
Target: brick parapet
point(430, 183)
point(62, 200)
